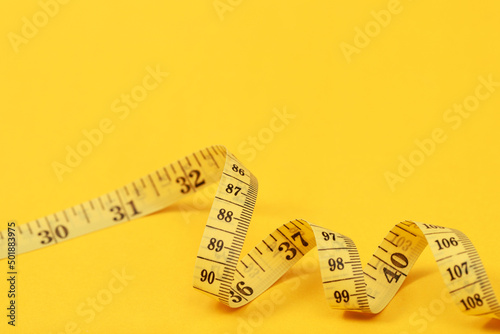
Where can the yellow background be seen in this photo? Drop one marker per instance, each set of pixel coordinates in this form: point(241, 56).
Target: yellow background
point(227, 77)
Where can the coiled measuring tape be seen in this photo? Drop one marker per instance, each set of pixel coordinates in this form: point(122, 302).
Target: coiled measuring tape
point(221, 274)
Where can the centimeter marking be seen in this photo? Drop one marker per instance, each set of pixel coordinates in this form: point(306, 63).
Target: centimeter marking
point(221, 274)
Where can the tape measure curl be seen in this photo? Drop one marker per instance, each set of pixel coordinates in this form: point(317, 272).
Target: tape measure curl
point(221, 274)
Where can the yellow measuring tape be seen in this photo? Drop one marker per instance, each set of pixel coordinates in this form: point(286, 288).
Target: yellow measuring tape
point(221, 274)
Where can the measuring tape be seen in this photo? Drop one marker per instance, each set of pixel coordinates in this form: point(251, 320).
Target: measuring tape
point(221, 274)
